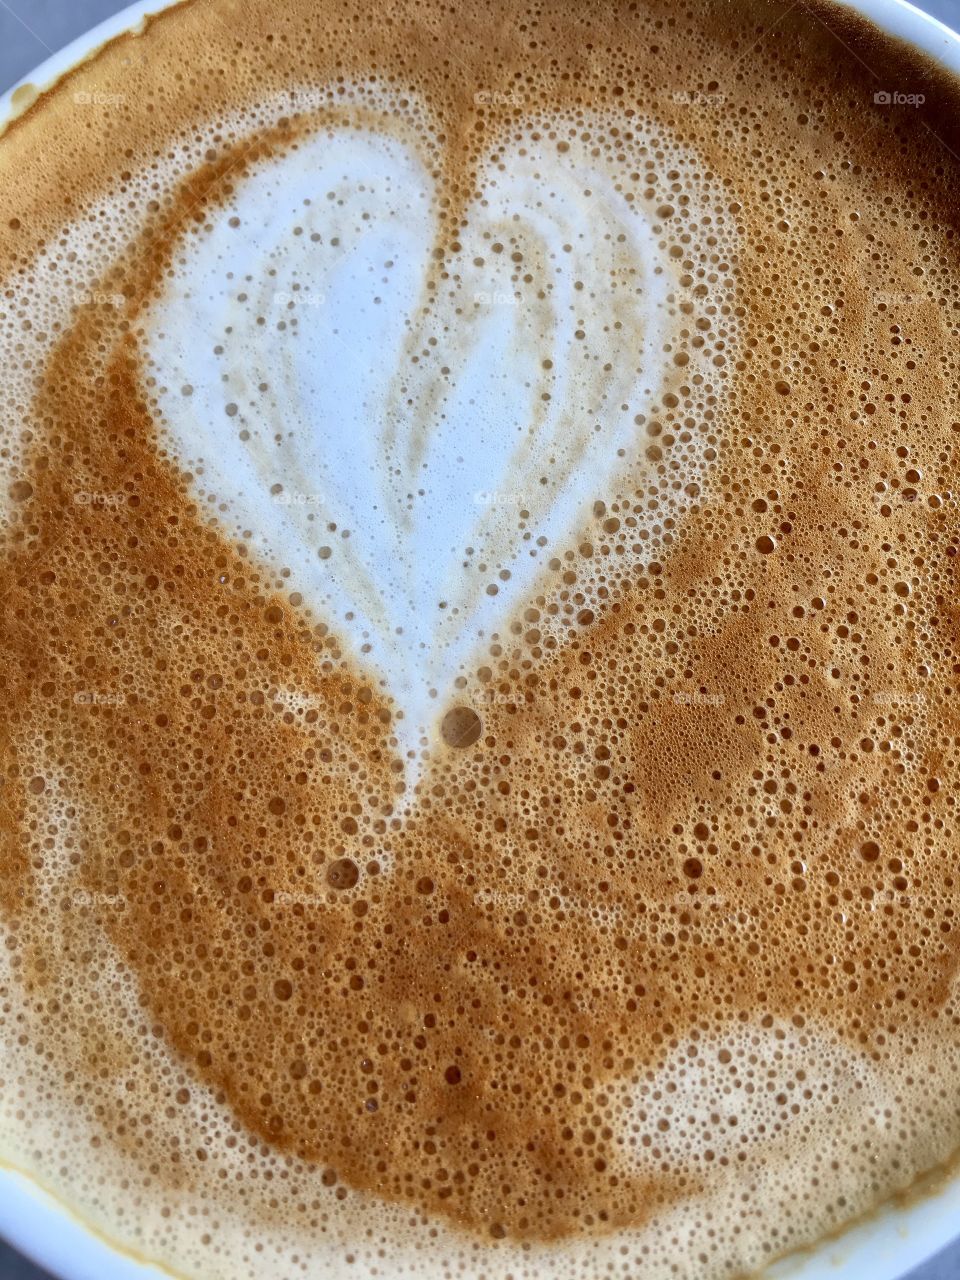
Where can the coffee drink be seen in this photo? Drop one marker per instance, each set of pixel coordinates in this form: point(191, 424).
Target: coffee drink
point(480, 655)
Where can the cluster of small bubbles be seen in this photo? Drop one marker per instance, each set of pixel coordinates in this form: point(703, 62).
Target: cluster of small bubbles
point(641, 956)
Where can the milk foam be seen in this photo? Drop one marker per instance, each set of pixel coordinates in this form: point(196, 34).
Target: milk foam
point(413, 450)
point(682, 916)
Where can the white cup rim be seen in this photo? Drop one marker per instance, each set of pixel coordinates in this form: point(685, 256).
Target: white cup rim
point(885, 1246)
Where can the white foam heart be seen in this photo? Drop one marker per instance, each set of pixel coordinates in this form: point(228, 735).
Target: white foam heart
point(411, 438)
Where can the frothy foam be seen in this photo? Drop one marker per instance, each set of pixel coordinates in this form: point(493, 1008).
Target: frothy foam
point(479, 662)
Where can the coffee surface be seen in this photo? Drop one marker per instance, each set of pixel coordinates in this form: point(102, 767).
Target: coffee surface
point(479, 571)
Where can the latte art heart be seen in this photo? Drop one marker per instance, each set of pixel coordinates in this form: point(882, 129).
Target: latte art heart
point(414, 440)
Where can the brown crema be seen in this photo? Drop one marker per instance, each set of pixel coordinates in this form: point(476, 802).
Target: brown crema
point(700, 788)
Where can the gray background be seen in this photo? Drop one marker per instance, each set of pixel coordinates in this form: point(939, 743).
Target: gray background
point(30, 30)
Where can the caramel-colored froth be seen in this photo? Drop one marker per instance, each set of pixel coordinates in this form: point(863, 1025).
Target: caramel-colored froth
point(561, 886)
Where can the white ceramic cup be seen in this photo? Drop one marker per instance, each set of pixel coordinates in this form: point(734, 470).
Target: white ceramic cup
point(885, 1247)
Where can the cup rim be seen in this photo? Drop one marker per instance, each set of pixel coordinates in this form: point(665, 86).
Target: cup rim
point(884, 1246)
